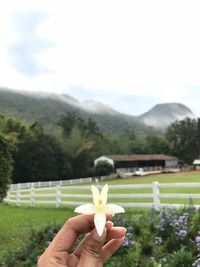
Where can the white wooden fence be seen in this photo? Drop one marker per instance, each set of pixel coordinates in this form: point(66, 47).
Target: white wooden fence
point(64, 195)
point(40, 184)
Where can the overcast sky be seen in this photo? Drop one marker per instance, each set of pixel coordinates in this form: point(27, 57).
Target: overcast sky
point(130, 55)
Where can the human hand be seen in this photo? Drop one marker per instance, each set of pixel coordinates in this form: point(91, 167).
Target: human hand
point(93, 250)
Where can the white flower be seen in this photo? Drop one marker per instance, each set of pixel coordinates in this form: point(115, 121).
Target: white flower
point(99, 208)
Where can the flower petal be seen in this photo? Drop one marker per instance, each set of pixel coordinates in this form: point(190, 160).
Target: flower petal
point(113, 209)
point(104, 193)
point(85, 209)
point(99, 222)
point(95, 194)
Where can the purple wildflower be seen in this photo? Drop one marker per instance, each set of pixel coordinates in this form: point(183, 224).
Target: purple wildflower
point(158, 240)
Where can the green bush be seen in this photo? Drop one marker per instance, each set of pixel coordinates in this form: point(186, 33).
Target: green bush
point(6, 165)
point(160, 239)
point(103, 168)
point(27, 256)
point(182, 257)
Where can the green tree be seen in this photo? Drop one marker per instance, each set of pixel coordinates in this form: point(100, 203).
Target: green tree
point(12, 132)
point(128, 143)
point(67, 123)
point(156, 145)
point(36, 129)
point(6, 165)
point(103, 168)
point(82, 158)
point(92, 129)
point(83, 142)
point(15, 127)
point(39, 159)
point(71, 120)
point(183, 138)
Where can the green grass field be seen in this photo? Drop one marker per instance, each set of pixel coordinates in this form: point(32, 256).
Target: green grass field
point(16, 223)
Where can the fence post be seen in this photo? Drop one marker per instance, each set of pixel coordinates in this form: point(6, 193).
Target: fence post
point(8, 195)
point(58, 196)
point(156, 195)
point(18, 194)
point(18, 198)
point(32, 195)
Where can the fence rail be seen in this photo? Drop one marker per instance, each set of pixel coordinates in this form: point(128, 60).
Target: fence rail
point(41, 184)
point(69, 195)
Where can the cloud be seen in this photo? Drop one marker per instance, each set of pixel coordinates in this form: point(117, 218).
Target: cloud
point(24, 52)
point(128, 54)
point(127, 103)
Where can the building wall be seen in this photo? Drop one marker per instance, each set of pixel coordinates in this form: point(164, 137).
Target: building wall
point(171, 163)
point(140, 164)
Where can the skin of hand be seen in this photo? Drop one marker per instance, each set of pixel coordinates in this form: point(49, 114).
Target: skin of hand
point(92, 251)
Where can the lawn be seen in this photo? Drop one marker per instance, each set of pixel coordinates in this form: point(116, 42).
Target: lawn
point(16, 223)
point(180, 177)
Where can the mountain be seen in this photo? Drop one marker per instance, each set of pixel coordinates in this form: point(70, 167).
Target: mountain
point(97, 107)
point(161, 115)
point(47, 108)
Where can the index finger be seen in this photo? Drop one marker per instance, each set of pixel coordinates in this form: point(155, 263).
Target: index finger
point(66, 237)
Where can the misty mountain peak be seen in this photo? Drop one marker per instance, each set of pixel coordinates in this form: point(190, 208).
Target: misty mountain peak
point(161, 115)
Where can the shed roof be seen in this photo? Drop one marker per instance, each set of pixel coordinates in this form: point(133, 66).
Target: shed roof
point(142, 157)
point(196, 162)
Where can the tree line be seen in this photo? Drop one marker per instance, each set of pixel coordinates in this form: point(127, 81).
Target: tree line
point(30, 153)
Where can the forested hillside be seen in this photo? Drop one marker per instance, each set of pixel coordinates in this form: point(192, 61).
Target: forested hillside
point(47, 109)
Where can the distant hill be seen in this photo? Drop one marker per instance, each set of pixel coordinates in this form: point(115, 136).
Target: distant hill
point(161, 115)
point(47, 108)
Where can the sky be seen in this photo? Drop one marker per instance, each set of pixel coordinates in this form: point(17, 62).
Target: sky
point(128, 54)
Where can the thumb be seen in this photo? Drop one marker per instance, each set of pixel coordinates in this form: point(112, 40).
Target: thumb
point(90, 256)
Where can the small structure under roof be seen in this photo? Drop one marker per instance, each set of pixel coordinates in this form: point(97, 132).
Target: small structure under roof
point(139, 160)
point(196, 163)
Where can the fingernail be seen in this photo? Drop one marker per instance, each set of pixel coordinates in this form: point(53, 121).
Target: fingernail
point(109, 224)
point(125, 230)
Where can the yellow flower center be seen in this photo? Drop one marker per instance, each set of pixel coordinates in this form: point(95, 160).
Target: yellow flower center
point(100, 205)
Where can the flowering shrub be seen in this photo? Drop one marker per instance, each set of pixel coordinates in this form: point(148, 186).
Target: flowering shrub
point(170, 238)
point(27, 256)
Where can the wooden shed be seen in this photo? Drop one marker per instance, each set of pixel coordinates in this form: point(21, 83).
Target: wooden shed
point(139, 160)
